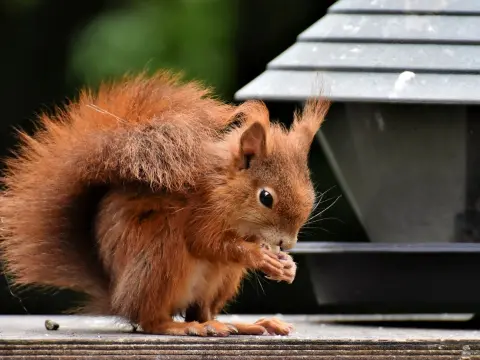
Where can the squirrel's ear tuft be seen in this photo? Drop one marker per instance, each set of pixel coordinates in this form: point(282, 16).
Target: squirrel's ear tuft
point(307, 123)
point(251, 111)
point(253, 143)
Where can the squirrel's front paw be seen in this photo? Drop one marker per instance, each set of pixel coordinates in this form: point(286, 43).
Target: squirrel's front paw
point(269, 263)
point(289, 269)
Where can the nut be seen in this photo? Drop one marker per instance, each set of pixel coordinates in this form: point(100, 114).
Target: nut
point(51, 325)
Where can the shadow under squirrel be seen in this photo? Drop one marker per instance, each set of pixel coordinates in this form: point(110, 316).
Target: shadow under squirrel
point(155, 199)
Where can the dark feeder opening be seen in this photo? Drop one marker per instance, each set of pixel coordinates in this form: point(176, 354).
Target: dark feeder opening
point(403, 140)
point(410, 172)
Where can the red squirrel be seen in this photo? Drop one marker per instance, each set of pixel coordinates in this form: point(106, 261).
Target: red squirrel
point(154, 198)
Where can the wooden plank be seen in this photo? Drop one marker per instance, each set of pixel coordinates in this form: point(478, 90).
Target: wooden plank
point(380, 57)
point(24, 337)
point(444, 7)
point(395, 28)
point(289, 85)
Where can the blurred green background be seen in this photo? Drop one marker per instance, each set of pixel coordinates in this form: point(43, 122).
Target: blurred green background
point(51, 48)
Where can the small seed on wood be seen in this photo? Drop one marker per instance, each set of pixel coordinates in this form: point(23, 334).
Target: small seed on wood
point(51, 325)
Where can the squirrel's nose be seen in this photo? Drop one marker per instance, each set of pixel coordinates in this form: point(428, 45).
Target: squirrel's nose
point(287, 244)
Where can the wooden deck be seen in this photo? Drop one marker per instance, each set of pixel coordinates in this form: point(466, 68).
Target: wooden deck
point(317, 337)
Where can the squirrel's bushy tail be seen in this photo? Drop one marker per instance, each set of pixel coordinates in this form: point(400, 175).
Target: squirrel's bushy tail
point(127, 133)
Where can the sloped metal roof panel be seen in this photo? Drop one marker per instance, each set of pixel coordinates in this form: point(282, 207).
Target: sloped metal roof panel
point(353, 56)
point(291, 85)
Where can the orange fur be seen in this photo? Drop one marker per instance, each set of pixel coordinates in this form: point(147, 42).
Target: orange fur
point(142, 197)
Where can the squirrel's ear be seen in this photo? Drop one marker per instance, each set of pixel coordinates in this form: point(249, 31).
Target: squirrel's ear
point(307, 123)
point(253, 143)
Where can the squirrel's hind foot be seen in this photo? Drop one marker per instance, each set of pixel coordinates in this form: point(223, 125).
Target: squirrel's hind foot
point(213, 328)
point(210, 328)
point(270, 326)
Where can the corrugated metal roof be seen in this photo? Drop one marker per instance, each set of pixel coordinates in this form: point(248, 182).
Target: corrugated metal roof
point(381, 50)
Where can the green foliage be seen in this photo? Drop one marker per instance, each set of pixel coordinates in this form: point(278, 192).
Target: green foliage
point(193, 36)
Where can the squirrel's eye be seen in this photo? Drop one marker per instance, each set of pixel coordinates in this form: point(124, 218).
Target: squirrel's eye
point(266, 198)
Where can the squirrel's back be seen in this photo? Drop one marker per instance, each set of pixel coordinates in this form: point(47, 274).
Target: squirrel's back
point(142, 130)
